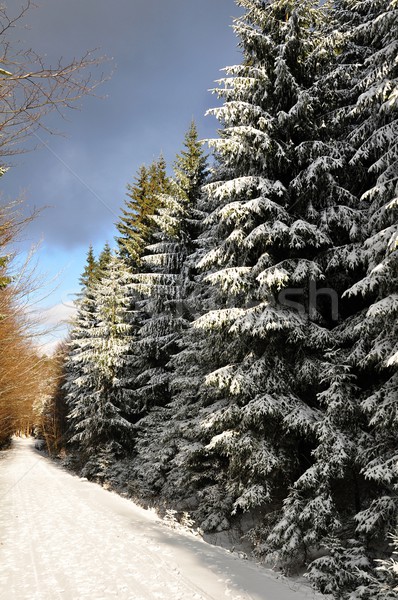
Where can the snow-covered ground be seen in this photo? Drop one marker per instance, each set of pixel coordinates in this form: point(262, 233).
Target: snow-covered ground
point(63, 537)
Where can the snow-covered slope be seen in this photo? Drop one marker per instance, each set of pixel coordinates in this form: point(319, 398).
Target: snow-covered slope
point(63, 537)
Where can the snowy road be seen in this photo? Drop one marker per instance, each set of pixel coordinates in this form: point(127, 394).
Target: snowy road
point(63, 537)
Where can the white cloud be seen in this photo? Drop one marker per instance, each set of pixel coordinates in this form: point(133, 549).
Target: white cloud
point(54, 326)
point(48, 348)
point(59, 314)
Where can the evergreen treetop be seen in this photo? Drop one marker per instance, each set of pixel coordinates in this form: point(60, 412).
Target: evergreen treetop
point(144, 196)
point(90, 272)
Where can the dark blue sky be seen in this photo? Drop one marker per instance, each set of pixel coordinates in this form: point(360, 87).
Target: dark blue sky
point(166, 55)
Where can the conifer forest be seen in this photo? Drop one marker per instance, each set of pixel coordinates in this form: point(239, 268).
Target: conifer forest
point(234, 352)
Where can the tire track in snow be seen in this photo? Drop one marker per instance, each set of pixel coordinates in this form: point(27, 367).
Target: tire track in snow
point(62, 538)
point(36, 551)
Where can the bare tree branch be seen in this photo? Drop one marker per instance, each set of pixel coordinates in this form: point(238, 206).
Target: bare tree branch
point(30, 89)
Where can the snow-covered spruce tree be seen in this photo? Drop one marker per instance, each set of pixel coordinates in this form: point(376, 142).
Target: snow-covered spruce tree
point(190, 171)
point(175, 224)
point(135, 225)
point(94, 268)
point(99, 398)
point(283, 203)
point(103, 262)
point(85, 319)
point(77, 378)
point(90, 270)
point(387, 588)
point(367, 337)
point(169, 284)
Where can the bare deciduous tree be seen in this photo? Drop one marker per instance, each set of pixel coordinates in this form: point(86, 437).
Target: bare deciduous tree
point(30, 89)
